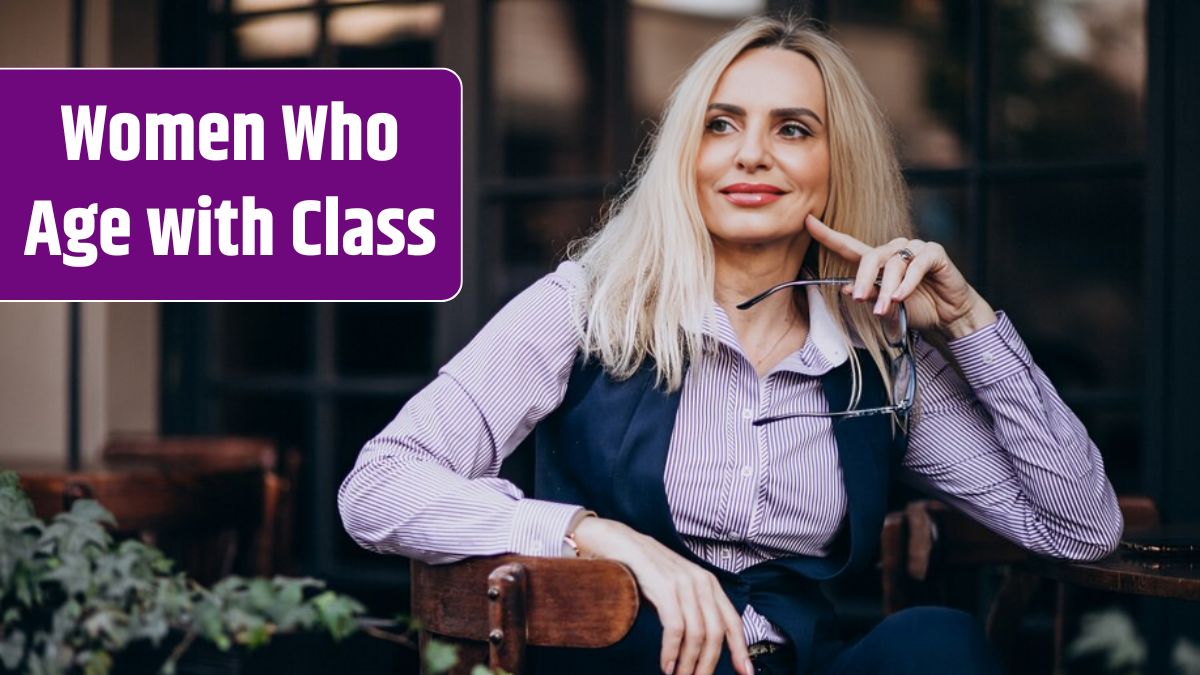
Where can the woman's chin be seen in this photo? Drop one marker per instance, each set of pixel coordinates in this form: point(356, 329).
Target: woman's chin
point(755, 234)
point(747, 239)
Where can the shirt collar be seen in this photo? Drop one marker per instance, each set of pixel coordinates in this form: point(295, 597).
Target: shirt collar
point(824, 337)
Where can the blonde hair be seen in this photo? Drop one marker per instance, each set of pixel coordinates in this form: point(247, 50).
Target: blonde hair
point(650, 268)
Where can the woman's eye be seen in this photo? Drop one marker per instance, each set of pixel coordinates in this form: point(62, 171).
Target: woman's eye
point(795, 131)
point(719, 126)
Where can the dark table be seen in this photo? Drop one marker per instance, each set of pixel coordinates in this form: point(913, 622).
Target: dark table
point(1125, 572)
point(1133, 573)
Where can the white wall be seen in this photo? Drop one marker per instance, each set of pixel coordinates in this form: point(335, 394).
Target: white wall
point(33, 381)
point(35, 33)
point(119, 359)
point(119, 342)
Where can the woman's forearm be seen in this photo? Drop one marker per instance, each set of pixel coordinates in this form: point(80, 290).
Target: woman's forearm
point(1005, 448)
point(417, 508)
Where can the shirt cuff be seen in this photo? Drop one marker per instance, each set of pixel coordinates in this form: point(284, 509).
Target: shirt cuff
point(538, 527)
point(991, 354)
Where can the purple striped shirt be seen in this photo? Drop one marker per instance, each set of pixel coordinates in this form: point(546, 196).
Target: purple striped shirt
point(1000, 445)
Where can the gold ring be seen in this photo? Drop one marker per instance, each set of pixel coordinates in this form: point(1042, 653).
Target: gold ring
point(906, 255)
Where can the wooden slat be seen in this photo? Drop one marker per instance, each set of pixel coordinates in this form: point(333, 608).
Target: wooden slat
point(154, 498)
point(570, 602)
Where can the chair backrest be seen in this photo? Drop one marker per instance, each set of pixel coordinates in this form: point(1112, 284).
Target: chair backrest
point(199, 517)
point(271, 543)
point(205, 451)
point(491, 608)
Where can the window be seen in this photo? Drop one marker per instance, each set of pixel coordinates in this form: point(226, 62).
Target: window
point(1020, 125)
point(1021, 128)
point(319, 377)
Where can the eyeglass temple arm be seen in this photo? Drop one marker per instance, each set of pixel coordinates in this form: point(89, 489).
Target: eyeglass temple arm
point(798, 282)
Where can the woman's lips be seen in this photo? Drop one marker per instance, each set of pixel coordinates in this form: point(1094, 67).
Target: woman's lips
point(751, 194)
point(751, 198)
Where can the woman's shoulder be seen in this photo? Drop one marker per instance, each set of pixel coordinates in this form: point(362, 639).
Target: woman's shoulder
point(553, 297)
point(569, 277)
point(538, 324)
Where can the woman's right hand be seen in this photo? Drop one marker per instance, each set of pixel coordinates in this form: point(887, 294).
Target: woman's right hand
point(696, 615)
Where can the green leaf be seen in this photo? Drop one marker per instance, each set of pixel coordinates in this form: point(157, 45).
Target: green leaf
point(337, 613)
point(440, 656)
point(12, 648)
point(90, 510)
point(71, 596)
point(99, 663)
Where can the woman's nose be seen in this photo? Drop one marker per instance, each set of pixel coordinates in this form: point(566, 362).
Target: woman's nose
point(753, 154)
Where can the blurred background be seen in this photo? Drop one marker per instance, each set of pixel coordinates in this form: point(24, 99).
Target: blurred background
point(1050, 145)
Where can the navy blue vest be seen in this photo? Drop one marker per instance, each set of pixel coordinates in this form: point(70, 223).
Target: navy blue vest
point(606, 448)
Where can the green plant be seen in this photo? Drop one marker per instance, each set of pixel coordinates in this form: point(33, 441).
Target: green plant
point(71, 597)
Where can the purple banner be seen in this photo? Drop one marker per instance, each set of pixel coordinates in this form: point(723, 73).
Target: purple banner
point(231, 185)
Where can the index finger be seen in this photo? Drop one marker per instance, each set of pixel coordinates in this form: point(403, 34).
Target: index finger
point(839, 242)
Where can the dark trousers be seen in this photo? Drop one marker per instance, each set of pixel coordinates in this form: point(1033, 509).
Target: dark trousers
point(921, 640)
point(916, 641)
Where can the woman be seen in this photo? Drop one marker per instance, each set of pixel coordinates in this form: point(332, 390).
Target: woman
point(699, 443)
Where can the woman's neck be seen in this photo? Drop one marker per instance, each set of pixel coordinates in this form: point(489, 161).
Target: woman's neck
point(742, 272)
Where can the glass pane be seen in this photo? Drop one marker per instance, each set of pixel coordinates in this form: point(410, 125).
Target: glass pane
point(1118, 434)
point(1068, 78)
point(286, 419)
point(380, 339)
point(939, 214)
point(1065, 262)
point(357, 420)
point(262, 338)
point(665, 36)
point(286, 39)
point(386, 35)
point(280, 417)
point(913, 57)
point(548, 87)
point(537, 232)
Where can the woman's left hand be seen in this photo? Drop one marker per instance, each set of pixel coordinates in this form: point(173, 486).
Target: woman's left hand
point(934, 292)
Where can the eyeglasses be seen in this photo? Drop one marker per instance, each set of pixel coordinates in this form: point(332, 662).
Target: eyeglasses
point(903, 367)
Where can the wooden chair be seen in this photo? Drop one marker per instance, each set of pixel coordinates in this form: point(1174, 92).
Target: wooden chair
point(492, 608)
point(271, 542)
point(962, 550)
point(197, 517)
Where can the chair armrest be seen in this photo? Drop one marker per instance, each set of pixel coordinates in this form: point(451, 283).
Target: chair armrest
point(569, 602)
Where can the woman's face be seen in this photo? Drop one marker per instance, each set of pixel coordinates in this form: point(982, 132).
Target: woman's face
point(764, 159)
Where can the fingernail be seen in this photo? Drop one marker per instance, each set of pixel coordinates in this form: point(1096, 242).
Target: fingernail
point(879, 306)
point(749, 665)
point(670, 668)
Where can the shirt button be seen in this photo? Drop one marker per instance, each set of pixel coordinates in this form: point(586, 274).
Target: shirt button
point(747, 413)
point(988, 358)
point(726, 553)
point(747, 471)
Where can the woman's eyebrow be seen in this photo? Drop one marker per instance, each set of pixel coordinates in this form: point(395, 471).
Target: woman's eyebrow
point(777, 112)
